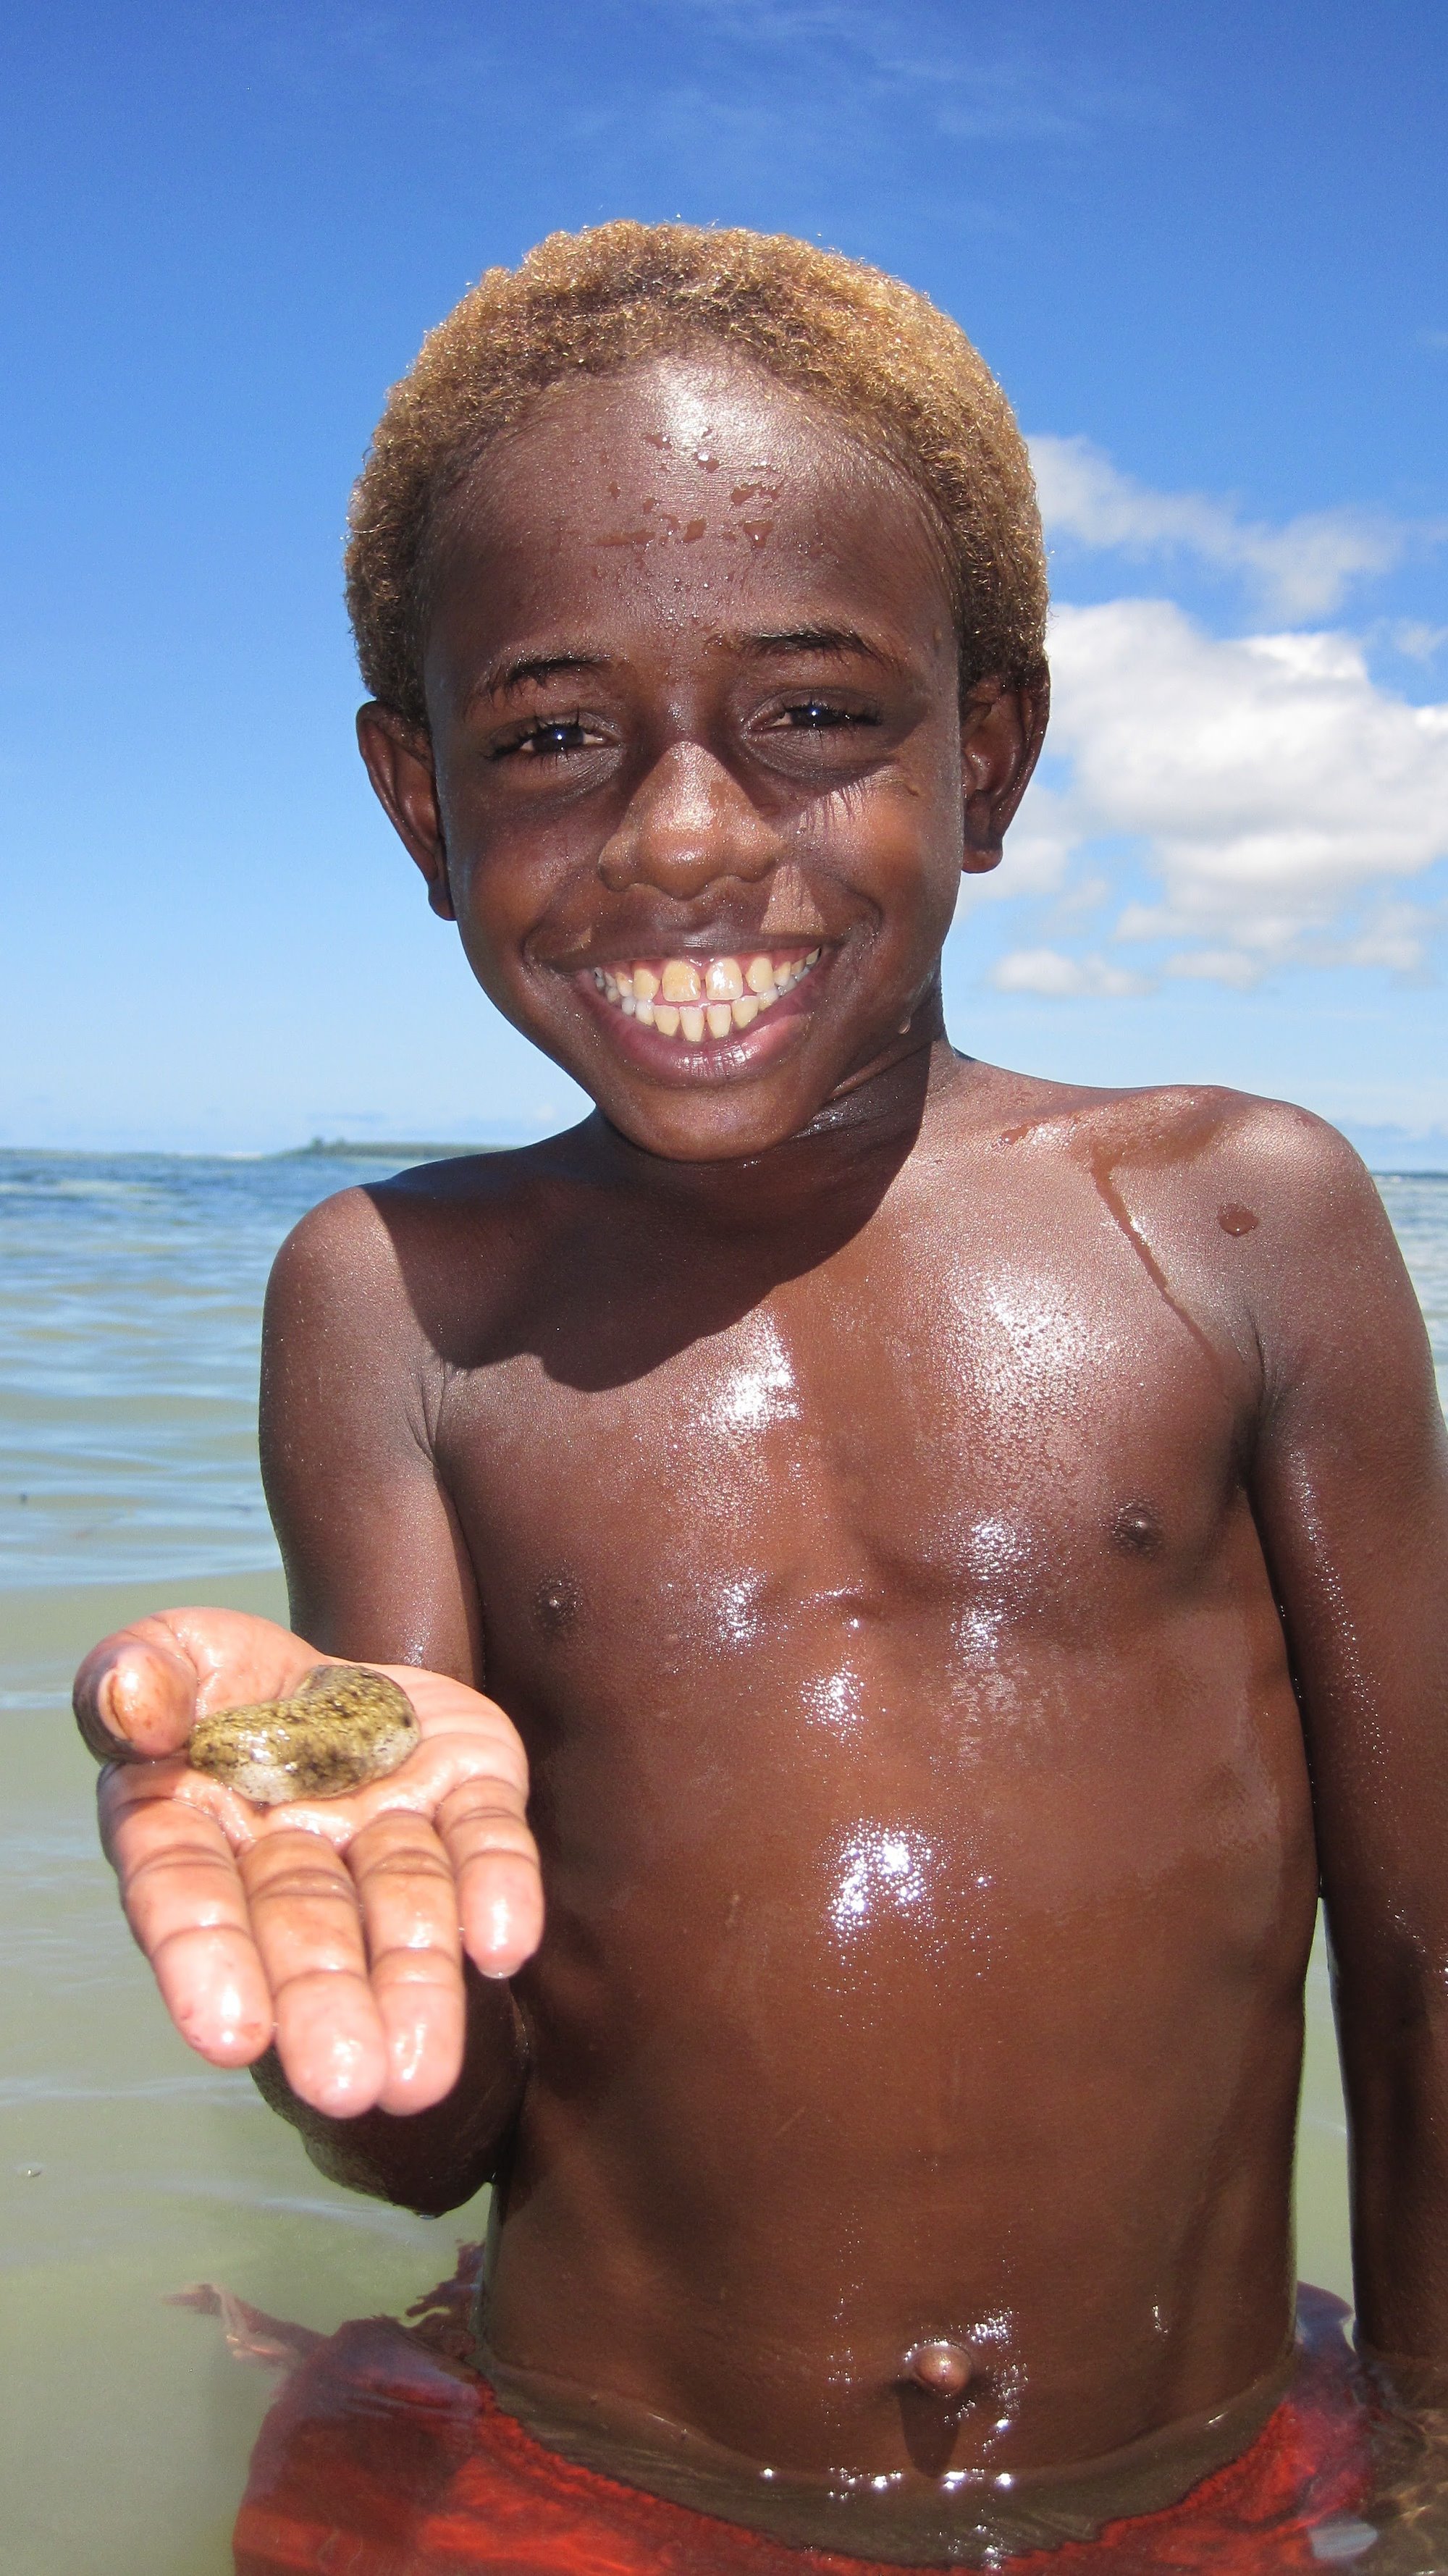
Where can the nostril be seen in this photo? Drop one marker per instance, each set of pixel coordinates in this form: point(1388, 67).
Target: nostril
point(688, 824)
point(681, 865)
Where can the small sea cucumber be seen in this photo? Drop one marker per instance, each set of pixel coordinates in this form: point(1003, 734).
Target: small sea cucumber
point(343, 1727)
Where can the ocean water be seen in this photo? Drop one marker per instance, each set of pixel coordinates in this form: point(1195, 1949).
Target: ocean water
point(130, 1294)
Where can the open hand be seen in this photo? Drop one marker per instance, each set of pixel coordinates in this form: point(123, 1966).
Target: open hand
point(337, 1926)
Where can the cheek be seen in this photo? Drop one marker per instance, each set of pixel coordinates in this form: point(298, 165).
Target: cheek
point(505, 884)
point(494, 917)
point(908, 843)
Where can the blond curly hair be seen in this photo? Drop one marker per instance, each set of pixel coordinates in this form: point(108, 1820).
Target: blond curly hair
point(894, 369)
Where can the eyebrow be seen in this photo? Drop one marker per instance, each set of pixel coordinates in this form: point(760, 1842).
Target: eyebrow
point(534, 670)
point(833, 643)
point(837, 643)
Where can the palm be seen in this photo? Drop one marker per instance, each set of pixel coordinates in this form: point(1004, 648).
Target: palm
point(335, 1927)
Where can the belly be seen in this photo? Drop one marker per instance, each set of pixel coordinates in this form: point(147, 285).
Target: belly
point(911, 2010)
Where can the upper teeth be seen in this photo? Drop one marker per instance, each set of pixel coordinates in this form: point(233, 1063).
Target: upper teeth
point(682, 996)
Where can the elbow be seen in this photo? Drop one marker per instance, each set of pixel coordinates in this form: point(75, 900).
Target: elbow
point(430, 2186)
point(426, 2202)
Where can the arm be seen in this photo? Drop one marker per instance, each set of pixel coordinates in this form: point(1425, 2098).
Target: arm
point(1351, 1489)
point(433, 2160)
point(328, 1946)
point(377, 1571)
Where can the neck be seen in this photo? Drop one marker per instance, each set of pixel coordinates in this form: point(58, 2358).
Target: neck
point(850, 1149)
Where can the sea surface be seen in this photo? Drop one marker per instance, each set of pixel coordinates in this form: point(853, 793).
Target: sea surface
point(130, 1298)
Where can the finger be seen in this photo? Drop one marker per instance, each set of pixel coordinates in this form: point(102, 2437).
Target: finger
point(140, 1691)
point(135, 1694)
point(495, 1864)
point(307, 1923)
point(238, 1658)
point(410, 1913)
point(186, 1906)
point(458, 1750)
point(466, 1720)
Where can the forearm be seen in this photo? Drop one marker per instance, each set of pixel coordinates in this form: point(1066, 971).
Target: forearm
point(430, 2161)
point(1395, 2065)
point(1350, 1493)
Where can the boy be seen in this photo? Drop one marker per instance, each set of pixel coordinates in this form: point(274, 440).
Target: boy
point(954, 1559)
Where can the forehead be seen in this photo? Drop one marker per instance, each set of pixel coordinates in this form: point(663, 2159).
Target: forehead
point(688, 494)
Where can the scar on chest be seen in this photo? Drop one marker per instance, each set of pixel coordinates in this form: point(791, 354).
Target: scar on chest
point(556, 1604)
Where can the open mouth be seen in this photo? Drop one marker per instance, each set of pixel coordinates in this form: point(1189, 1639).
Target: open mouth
point(695, 999)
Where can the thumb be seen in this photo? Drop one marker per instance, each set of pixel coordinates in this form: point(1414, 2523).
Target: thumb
point(135, 1695)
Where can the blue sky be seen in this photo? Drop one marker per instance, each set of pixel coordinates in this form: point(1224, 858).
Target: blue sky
point(1204, 250)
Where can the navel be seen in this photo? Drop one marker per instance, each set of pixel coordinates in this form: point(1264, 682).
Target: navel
point(941, 2369)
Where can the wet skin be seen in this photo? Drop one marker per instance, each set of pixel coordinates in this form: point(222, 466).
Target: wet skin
point(960, 1554)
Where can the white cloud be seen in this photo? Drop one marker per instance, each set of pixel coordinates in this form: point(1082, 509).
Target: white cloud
point(1216, 966)
point(1060, 978)
point(1416, 640)
point(1282, 800)
point(995, 89)
point(1302, 569)
point(1042, 840)
point(1396, 936)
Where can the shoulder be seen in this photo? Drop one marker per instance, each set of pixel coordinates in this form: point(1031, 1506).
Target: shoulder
point(1299, 1168)
point(1286, 1217)
point(1257, 1195)
point(1269, 1218)
point(1280, 1184)
point(1265, 1170)
point(1205, 1134)
point(412, 1250)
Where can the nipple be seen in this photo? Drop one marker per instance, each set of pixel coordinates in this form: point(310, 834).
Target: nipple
point(941, 2369)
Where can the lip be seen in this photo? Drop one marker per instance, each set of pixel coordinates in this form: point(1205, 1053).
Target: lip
point(677, 1063)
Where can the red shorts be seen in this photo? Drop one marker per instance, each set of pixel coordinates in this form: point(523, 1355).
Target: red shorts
point(384, 2457)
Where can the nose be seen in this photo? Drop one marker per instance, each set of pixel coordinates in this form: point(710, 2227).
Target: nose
point(688, 823)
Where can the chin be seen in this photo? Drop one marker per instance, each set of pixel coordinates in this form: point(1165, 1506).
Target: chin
point(700, 1132)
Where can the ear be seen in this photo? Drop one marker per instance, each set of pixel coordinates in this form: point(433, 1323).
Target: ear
point(1001, 732)
point(399, 764)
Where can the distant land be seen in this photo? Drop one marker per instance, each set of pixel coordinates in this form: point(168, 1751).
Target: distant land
point(363, 1149)
point(352, 1149)
point(1392, 1152)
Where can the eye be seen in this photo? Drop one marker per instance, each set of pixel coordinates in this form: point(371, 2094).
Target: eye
point(551, 740)
point(817, 715)
point(813, 717)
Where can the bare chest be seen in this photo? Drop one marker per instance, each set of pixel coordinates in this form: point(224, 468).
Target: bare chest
point(909, 1436)
point(916, 1607)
